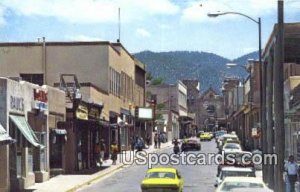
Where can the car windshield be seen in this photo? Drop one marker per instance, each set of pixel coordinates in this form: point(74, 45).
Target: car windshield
point(160, 175)
point(229, 186)
point(231, 146)
point(237, 174)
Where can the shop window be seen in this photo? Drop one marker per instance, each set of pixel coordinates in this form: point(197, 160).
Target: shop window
point(30, 160)
point(19, 162)
point(42, 138)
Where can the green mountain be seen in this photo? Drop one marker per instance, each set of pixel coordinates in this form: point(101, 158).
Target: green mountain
point(210, 69)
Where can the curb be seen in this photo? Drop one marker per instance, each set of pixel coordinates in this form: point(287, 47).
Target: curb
point(73, 189)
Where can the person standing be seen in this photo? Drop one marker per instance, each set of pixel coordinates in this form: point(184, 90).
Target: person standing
point(97, 154)
point(159, 140)
point(155, 140)
point(102, 151)
point(292, 170)
point(114, 152)
point(132, 141)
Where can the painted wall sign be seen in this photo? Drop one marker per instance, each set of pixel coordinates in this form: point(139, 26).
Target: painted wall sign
point(17, 103)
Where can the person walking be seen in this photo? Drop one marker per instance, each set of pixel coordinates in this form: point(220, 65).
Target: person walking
point(114, 152)
point(155, 140)
point(292, 171)
point(102, 151)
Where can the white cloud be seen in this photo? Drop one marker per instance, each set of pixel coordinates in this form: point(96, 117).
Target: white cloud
point(92, 11)
point(254, 8)
point(82, 38)
point(142, 33)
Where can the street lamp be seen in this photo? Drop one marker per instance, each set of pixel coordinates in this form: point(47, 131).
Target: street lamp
point(262, 90)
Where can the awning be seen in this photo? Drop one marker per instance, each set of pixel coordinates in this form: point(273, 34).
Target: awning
point(26, 130)
point(60, 131)
point(4, 137)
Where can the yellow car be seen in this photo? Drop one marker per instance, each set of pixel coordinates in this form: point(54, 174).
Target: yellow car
point(206, 136)
point(162, 180)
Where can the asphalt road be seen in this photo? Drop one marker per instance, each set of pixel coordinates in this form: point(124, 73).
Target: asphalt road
point(197, 178)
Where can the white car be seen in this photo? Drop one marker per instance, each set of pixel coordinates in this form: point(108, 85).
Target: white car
point(232, 148)
point(241, 183)
point(234, 172)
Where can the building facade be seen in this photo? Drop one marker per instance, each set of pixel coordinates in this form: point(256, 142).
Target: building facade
point(171, 102)
point(210, 114)
point(107, 74)
point(25, 115)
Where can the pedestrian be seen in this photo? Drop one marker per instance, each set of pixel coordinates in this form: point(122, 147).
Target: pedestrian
point(114, 152)
point(102, 151)
point(292, 171)
point(159, 140)
point(132, 141)
point(155, 140)
point(97, 154)
point(148, 138)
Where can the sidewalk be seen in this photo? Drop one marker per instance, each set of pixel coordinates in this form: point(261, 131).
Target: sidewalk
point(70, 183)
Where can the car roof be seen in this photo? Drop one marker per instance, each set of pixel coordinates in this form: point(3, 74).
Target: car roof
point(237, 169)
point(162, 169)
point(243, 179)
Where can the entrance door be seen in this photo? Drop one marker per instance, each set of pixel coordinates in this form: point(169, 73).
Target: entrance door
point(15, 159)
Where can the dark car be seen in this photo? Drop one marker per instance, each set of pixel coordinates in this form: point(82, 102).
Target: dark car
point(191, 144)
point(237, 160)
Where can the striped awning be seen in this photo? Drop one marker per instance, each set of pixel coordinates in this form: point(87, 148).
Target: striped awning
point(23, 126)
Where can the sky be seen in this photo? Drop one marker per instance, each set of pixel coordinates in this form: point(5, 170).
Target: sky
point(155, 25)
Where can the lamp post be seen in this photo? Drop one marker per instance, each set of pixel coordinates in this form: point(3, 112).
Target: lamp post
point(262, 80)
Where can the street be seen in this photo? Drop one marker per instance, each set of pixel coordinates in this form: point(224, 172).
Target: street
point(196, 177)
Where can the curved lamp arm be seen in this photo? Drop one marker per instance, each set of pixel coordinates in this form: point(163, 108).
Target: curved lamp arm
point(230, 12)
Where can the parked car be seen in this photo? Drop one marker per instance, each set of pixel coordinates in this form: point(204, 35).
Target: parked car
point(237, 161)
point(241, 183)
point(257, 166)
point(162, 179)
point(234, 172)
point(231, 148)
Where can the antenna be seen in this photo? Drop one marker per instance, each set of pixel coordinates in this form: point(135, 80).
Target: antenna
point(119, 39)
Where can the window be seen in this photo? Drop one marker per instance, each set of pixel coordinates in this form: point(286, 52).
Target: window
point(33, 78)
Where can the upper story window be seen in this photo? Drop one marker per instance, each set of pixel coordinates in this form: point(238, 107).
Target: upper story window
point(33, 78)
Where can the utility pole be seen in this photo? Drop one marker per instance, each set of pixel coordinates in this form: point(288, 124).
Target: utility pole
point(270, 123)
point(278, 101)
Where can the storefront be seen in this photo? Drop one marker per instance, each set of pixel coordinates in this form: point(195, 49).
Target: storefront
point(83, 134)
point(26, 159)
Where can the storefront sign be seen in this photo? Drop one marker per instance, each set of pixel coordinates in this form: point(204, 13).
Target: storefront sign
point(82, 112)
point(40, 95)
point(40, 105)
point(17, 103)
point(40, 98)
point(254, 132)
point(94, 113)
